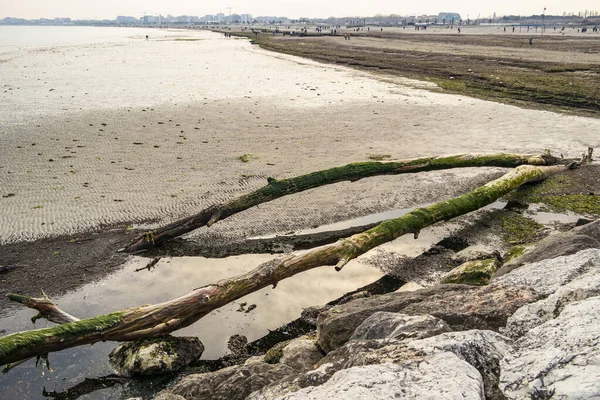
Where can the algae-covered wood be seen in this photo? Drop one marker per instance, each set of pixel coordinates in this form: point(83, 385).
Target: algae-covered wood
point(350, 172)
point(161, 319)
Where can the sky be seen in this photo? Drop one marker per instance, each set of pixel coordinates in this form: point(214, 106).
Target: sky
point(109, 9)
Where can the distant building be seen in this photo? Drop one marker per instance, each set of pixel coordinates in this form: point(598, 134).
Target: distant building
point(124, 20)
point(182, 19)
point(449, 17)
point(150, 19)
point(246, 18)
point(14, 21)
point(271, 20)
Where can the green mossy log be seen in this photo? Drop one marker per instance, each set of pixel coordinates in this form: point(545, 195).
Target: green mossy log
point(164, 318)
point(18, 346)
point(351, 172)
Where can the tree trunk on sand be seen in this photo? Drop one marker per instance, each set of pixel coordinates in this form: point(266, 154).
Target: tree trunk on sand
point(351, 172)
point(161, 319)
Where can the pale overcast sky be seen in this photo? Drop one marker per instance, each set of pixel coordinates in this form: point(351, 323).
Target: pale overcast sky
point(109, 9)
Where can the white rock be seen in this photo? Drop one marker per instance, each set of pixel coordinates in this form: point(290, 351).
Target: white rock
point(255, 360)
point(442, 376)
point(409, 287)
point(155, 356)
point(301, 354)
point(482, 349)
point(383, 325)
point(548, 275)
point(559, 358)
point(532, 315)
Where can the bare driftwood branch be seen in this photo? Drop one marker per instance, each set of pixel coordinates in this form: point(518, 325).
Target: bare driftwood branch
point(46, 310)
point(351, 172)
point(45, 307)
point(161, 319)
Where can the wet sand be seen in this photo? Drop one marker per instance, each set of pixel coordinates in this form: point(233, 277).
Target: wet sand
point(153, 141)
point(520, 50)
point(157, 143)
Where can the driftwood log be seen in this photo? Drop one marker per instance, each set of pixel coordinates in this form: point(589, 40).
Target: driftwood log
point(351, 172)
point(161, 319)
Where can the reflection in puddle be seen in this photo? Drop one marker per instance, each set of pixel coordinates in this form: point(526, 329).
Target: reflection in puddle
point(406, 245)
point(380, 217)
point(545, 217)
point(171, 278)
point(360, 221)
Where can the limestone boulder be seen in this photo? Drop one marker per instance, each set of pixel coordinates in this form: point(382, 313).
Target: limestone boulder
point(580, 288)
point(354, 353)
point(168, 396)
point(155, 356)
point(560, 244)
point(276, 390)
point(254, 360)
point(476, 273)
point(558, 359)
point(441, 376)
point(476, 252)
point(547, 276)
point(462, 307)
point(361, 352)
point(301, 354)
point(232, 383)
point(383, 325)
point(483, 350)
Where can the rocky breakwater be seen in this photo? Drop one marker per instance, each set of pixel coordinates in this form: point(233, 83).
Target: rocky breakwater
point(532, 332)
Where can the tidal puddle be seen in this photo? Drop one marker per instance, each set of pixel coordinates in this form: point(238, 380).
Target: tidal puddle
point(360, 221)
point(407, 245)
point(538, 214)
point(173, 277)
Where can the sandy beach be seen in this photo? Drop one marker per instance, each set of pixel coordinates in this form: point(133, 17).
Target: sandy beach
point(137, 131)
point(103, 137)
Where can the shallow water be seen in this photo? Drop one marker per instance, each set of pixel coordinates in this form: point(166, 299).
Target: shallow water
point(30, 37)
point(120, 130)
point(172, 278)
point(82, 69)
point(296, 116)
point(540, 214)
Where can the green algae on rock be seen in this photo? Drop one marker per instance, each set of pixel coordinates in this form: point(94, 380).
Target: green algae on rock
point(517, 229)
point(156, 355)
point(274, 355)
point(514, 253)
point(567, 192)
point(475, 273)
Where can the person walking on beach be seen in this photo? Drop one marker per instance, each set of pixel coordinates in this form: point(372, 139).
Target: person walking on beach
point(531, 40)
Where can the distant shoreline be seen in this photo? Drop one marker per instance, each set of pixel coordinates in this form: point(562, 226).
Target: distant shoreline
point(550, 74)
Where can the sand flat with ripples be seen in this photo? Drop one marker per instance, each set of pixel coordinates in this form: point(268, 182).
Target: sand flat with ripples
point(131, 131)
